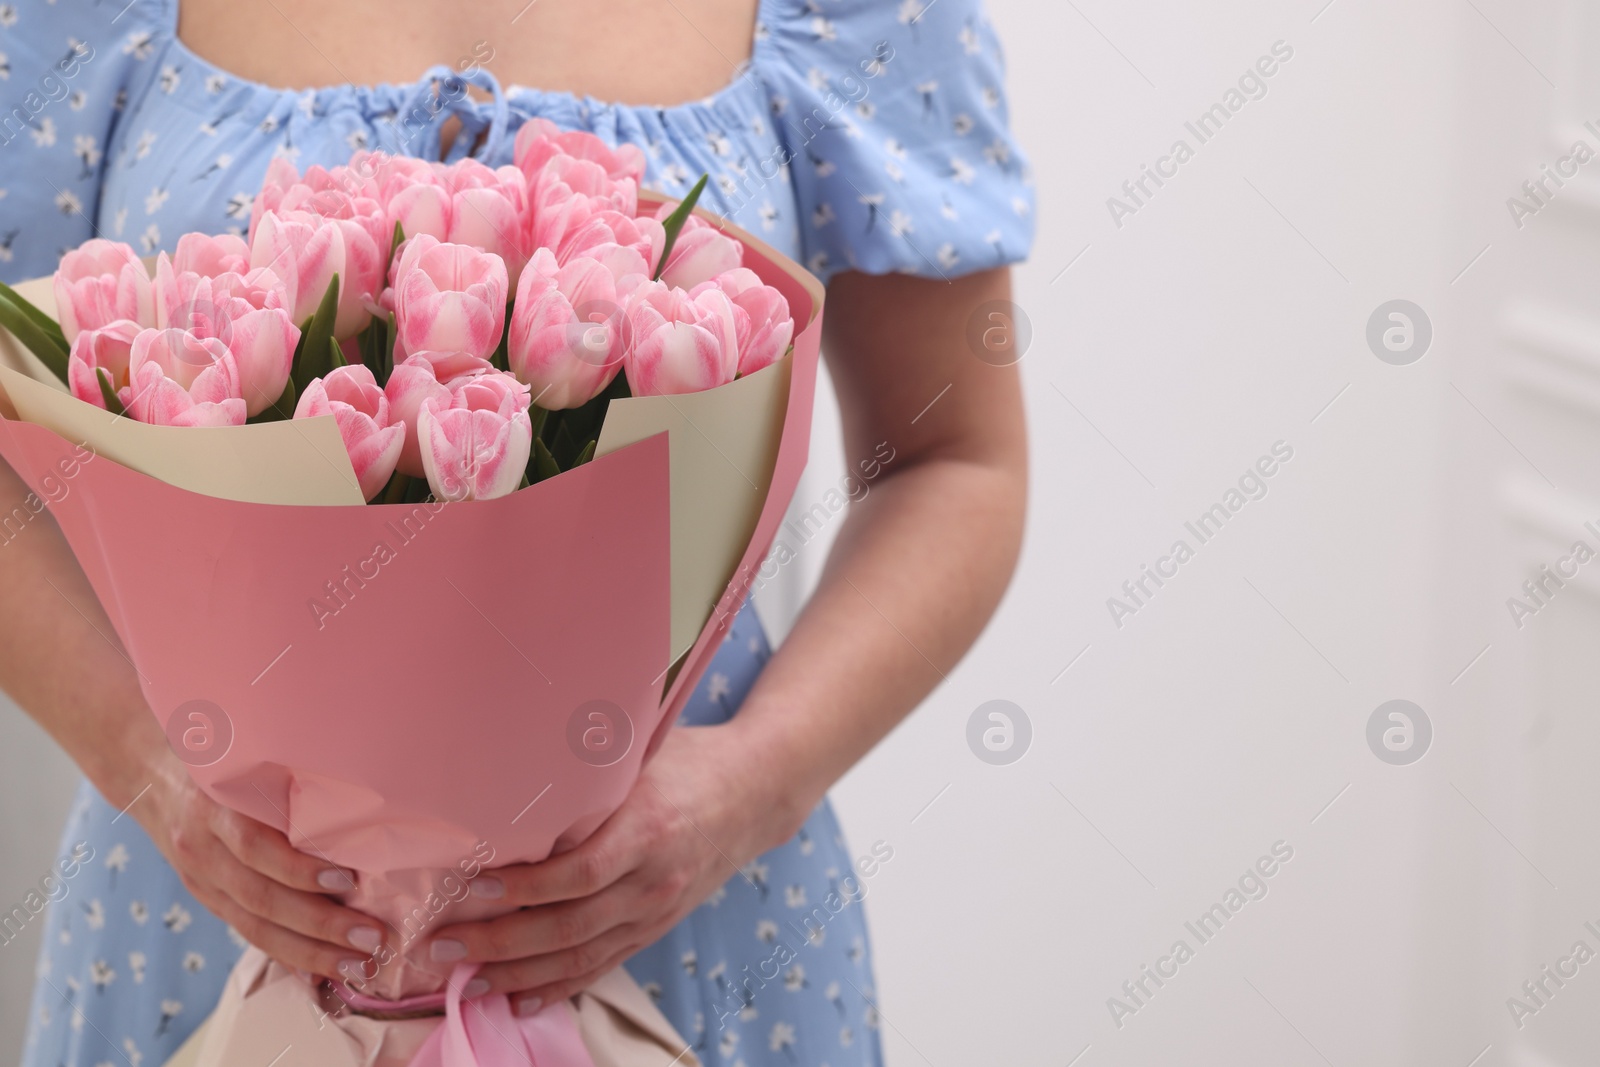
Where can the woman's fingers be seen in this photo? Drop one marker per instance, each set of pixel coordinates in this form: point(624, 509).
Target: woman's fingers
point(309, 914)
point(282, 944)
point(560, 974)
point(535, 931)
point(267, 850)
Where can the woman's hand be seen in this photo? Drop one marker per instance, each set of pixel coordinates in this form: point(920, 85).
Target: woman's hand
point(702, 809)
point(247, 873)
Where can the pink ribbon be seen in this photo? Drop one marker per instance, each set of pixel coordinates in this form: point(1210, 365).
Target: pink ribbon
point(487, 1034)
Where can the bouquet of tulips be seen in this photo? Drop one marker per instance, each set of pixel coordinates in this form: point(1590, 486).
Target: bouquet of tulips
point(289, 463)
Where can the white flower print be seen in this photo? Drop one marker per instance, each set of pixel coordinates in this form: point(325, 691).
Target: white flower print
point(769, 216)
point(794, 979)
point(766, 930)
point(894, 171)
point(718, 895)
point(154, 202)
point(146, 141)
point(76, 99)
point(823, 29)
point(718, 142)
point(782, 1037)
point(728, 186)
point(675, 174)
point(867, 110)
point(67, 202)
point(991, 97)
point(690, 962)
point(858, 950)
point(5, 67)
point(357, 140)
point(947, 256)
point(729, 1043)
point(215, 83)
point(45, 134)
point(998, 152)
point(911, 11)
point(136, 963)
point(94, 914)
point(847, 1037)
point(118, 221)
point(795, 896)
point(239, 205)
point(653, 991)
point(817, 78)
point(818, 263)
point(150, 240)
point(895, 149)
point(269, 124)
point(193, 962)
point(139, 911)
point(1021, 206)
point(131, 1050)
point(177, 918)
point(962, 124)
point(169, 1010)
point(824, 168)
point(8, 15)
point(961, 172)
point(84, 147)
point(720, 687)
point(169, 79)
point(948, 210)
point(102, 975)
point(139, 45)
point(970, 44)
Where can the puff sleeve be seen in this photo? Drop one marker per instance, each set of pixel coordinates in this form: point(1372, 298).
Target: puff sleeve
point(65, 68)
point(893, 119)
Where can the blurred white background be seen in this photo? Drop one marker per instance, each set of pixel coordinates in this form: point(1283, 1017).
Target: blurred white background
point(1229, 312)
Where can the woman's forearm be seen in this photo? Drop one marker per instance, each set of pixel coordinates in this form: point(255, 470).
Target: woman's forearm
point(59, 658)
point(915, 574)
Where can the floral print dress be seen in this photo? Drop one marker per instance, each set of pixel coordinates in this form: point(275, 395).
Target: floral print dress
point(864, 135)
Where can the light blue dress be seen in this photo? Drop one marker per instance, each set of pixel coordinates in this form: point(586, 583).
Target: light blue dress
point(864, 134)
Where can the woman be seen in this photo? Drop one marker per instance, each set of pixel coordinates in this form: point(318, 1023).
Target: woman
point(865, 138)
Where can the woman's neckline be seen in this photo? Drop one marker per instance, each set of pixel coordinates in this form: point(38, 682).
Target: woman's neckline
point(741, 81)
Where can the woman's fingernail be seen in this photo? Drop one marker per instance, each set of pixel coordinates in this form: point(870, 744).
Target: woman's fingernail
point(529, 1007)
point(335, 880)
point(352, 968)
point(365, 938)
point(488, 888)
point(447, 951)
point(475, 988)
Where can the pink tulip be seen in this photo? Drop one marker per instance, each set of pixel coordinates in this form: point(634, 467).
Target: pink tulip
point(245, 312)
point(98, 283)
point(476, 445)
point(463, 203)
point(567, 324)
point(284, 189)
point(764, 325)
point(540, 140)
point(199, 253)
point(700, 253)
point(422, 377)
point(351, 395)
point(108, 349)
point(448, 298)
point(305, 249)
point(679, 343)
point(178, 379)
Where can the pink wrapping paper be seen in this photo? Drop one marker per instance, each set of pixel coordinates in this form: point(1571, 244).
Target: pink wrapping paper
point(424, 719)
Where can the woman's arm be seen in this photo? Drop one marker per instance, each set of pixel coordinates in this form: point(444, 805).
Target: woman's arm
point(918, 568)
point(60, 660)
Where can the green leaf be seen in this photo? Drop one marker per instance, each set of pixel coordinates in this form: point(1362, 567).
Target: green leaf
point(51, 327)
point(395, 241)
point(34, 337)
point(280, 409)
point(107, 393)
point(311, 357)
point(544, 464)
point(537, 415)
point(587, 454)
point(674, 222)
point(335, 355)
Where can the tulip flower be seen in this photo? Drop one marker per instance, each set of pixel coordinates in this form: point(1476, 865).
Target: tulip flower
point(680, 343)
point(422, 377)
point(178, 379)
point(373, 440)
point(448, 298)
point(107, 349)
point(245, 312)
point(476, 445)
point(306, 249)
point(568, 324)
point(98, 283)
point(284, 189)
point(700, 253)
point(540, 140)
point(463, 203)
point(199, 253)
point(764, 326)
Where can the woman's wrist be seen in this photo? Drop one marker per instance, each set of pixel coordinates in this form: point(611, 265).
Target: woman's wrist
point(777, 787)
